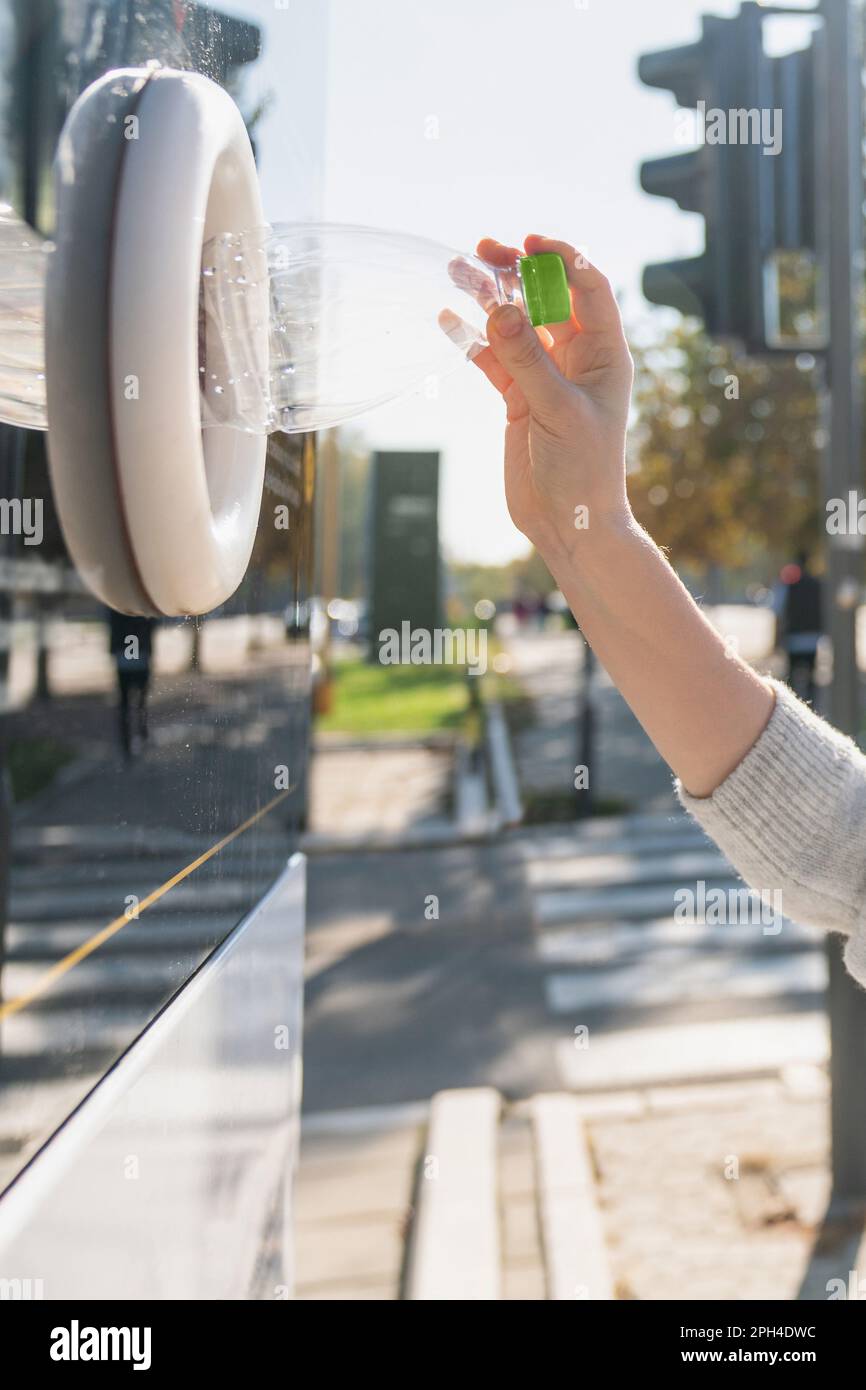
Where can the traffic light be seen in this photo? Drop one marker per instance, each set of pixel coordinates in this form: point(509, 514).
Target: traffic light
point(795, 239)
point(751, 176)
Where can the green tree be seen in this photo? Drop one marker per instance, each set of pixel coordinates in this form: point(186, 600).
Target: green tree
point(723, 453)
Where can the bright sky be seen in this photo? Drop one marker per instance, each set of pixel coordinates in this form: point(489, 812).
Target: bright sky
point(541, 124)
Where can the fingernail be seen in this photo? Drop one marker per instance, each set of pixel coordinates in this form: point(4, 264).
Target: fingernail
point(508, 320)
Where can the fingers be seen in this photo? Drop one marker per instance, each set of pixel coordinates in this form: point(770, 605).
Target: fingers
point(471, 344)
point(495, 253)
point(595, 307)
point(496, 374)
point(474, 282)
point(519, 351)
point(559, 332)
point(464, 337)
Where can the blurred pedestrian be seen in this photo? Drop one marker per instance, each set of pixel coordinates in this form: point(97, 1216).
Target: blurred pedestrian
point(799, 625)
point(520, 607)
point(131, 642)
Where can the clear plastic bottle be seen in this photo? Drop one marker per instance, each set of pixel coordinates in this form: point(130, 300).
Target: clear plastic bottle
point(301, 326)
point(355, 317)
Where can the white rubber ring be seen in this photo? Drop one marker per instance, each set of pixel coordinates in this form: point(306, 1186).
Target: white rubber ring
point(191, 498)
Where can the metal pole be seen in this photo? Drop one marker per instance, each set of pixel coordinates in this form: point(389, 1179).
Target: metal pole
point(328, 481)
point(841, 156)
point(586, 734)
point(11, 474)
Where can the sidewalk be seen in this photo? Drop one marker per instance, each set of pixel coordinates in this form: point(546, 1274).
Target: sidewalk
point(378, 786)
point(626, 769)
point(456, 1144)
point(718, 1191)
point(699, 1192)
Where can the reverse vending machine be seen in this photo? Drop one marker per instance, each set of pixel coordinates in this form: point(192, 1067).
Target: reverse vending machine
point(151, 892)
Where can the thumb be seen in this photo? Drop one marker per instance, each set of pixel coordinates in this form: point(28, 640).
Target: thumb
point(517, 346)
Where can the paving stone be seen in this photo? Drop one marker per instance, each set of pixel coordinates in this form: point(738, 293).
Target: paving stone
point(355, 1249)
point(520, 1235)
point(398, 788)
point(338, 1293)
point(524, 1282)
point(363, 1191)
point(393, 1147)
point(678, 1229)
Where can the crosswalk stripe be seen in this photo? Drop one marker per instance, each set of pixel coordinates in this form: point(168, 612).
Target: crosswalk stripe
point(631, 900)
point(552, 847)
point(47, 941)
point(694, 1051)
point(53, 904)
point(634, 825)
point(120, 871)
point(628, 868)
point(612, 949)
point(671, 977)
point(611, 942)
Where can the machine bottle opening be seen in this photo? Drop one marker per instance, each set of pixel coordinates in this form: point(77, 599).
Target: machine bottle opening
point(170, 330)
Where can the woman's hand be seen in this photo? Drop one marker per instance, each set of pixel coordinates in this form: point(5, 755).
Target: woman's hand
point(566, 389)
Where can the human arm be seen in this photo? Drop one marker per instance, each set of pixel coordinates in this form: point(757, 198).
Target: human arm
point(566, 390)
point(782, 793)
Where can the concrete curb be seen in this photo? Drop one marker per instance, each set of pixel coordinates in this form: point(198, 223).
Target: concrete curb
point(475, 821)
point(454, 1254)
point(365, 1119)
point(679, 1054)
point(502, 769)
point(572, 1233)
point(367, 842)
point(471, 811)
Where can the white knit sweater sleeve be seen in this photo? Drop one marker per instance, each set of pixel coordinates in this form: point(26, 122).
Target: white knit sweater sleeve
point(792, 817)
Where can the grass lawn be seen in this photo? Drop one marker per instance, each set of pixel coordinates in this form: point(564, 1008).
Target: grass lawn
point(370, 698)
point(34, 763)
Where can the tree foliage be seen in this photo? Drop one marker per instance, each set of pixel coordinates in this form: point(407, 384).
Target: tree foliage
point(723, 450)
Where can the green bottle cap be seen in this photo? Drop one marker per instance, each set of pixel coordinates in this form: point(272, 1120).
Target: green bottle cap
point(545, 288)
